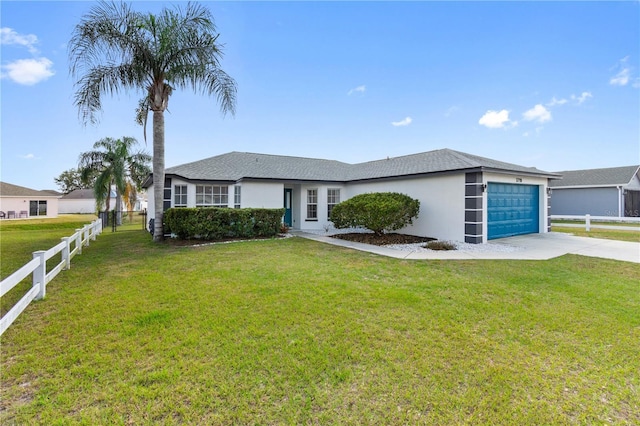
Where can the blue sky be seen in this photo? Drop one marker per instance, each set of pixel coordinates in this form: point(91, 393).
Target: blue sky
point(555, 85)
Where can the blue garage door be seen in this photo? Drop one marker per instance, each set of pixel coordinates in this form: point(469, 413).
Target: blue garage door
point(512, 210)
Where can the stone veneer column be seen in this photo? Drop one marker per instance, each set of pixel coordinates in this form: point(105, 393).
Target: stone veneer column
point(473, 206)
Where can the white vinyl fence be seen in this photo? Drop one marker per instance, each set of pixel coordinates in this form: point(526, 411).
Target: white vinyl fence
point(588, 224)
point(37, 267)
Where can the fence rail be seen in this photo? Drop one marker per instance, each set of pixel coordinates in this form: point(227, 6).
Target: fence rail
point(37, 267)
point(589, 221)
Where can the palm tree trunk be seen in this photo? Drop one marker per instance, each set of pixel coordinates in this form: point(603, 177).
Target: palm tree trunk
point(107, 200)
point(158, 174)
point(118, 208)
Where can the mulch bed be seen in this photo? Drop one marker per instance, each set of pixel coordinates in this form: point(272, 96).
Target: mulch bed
point(382, 240)
point(177, 242)
point(359, 237)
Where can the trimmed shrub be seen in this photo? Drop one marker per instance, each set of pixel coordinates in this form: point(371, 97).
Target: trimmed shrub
point(216, 223)
point(440, 245)
point(379, 212)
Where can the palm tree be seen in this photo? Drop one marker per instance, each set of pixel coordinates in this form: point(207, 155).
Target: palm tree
point(114, 48)
point(113, 163)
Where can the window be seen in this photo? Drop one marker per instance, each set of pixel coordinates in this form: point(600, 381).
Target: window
point(180, 196)
point(37, 208)
point(212, 196)
point(236, 196)
point(166, 195)
point(333, 198)
point(312, 204)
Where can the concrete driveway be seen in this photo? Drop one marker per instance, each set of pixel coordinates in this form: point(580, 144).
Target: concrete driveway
point(554, 244)
point(524, 247)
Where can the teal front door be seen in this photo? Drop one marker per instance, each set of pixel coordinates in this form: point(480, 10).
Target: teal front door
point(287, 207)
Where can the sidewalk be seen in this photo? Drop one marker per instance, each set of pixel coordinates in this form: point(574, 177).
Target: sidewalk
point(524, 247)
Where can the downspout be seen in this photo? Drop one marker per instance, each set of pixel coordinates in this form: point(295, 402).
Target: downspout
point(620, 201)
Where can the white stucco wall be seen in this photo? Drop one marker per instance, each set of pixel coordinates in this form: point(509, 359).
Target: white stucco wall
point(19, 204)
point(77, 206)
point(150, 205)
point(265, 195)
point(441, 203)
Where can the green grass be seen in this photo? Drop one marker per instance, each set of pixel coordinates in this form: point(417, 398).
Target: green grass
point(293, 331)
point(635, 225)
point(608, 234)
point(20, 238)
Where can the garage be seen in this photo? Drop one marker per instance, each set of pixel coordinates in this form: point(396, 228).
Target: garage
point(512, 210)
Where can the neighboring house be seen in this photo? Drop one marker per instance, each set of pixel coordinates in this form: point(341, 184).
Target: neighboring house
point(78, 201)
point(20, 202)
point(613, 191)
point(463, 197)
point(84, 201)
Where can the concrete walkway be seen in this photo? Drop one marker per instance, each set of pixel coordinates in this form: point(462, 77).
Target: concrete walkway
point(524, 247)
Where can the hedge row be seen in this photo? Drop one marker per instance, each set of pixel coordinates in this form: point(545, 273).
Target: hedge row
point(216, 223)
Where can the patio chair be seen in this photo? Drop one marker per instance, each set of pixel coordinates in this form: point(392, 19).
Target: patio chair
point(11, 214)
point(2, 215)
point(24, 213)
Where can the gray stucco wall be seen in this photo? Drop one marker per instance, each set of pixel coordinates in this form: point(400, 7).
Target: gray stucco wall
point(581, 201)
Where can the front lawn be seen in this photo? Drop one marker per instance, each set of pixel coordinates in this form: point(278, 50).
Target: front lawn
point(292, 331)
point(632, 235)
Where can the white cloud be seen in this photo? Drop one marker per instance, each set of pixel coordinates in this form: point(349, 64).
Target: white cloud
point(623, 76)
point(583, 97)
point(404, 122)
point(28, 156)
point(24, 71)
point(28, 71)
point(8, 36)
point(496, 119)
point(555, 102)
point(538, 113)
point(359, 89)
point(451, 111)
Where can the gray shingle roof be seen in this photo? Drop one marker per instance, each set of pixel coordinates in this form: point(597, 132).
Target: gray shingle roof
point(234, 166)
point(10, 190)
point(611, 176)
point(80, 194)
point(441, 160)
point(237, 165)
point(84, 194)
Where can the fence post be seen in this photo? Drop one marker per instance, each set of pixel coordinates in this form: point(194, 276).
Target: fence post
point(92, 229)
point(66, 252)
point(85, 237)
point(79, 240)
point(588, 222)
point(40, 274)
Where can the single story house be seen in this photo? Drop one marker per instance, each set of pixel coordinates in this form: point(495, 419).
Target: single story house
point(20, 202)
point(463, 197)
point(84, 201)
point(613, 191)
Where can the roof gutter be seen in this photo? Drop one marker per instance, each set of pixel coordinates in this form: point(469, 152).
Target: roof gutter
point(588, 186)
